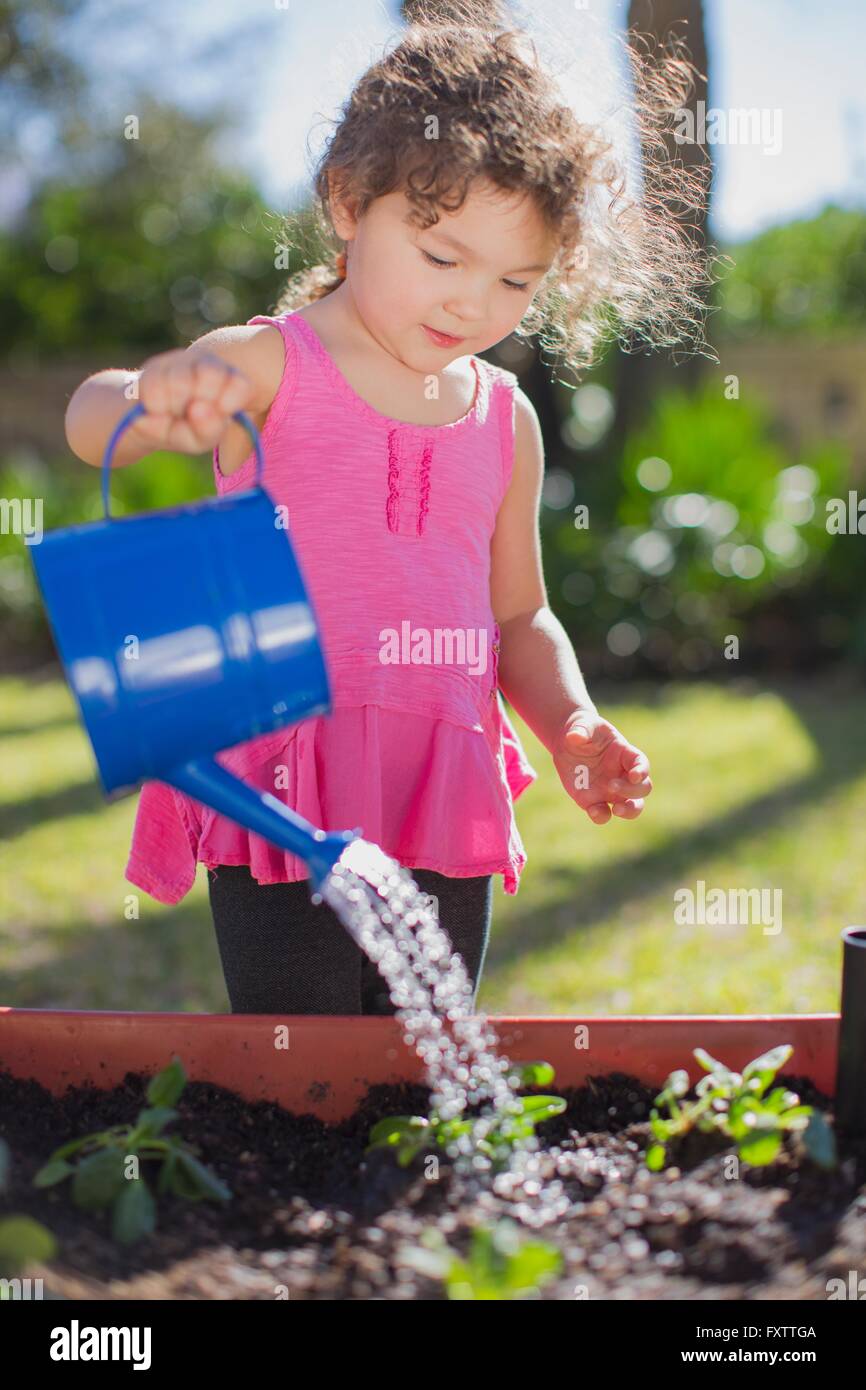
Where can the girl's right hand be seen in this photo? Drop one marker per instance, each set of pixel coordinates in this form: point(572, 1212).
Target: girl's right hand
point(188, 400)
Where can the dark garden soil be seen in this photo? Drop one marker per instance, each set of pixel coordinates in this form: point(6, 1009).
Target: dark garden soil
point(313, 1216)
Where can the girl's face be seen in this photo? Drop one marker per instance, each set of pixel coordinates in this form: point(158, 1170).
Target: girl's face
point(471, 276)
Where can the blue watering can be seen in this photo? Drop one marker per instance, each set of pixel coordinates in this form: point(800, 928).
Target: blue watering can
point(185, 632)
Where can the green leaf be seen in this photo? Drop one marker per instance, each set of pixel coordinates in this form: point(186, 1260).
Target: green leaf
point(534, 1264)
point(661, 1128)
point(710, 1064)
point(743, 1117)
point(678, 1083)
point(533, 1073)
point(394, 1128)
point(22, 1240)
point(763, 1147)
point(98, 1179)
point(154, 1121)
point(780, 1098)
point(458, 1284)
point(203, 1181)
point(768, 1061)
point(449, 1130)
point(134, 1214)
point(714, 1087)
point(820, 1141)
point(655, 1157)
point(165, 1088)
point(73, 1146)
point(407, 1153)
point(54, 1171)
point(538, 1108)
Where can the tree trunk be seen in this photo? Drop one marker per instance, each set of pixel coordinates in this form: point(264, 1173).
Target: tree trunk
point(640, 375)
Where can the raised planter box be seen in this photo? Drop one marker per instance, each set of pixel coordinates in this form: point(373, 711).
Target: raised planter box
point(324, 1065)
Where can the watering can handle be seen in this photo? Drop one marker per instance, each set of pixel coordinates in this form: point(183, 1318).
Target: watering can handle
point(133, 414)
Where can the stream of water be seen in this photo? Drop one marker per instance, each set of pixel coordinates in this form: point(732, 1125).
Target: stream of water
point(391, 919)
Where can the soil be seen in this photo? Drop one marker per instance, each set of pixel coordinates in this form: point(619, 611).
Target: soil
point(313, 1217)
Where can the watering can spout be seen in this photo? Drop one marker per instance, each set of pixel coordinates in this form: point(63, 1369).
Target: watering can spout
point(204, 780)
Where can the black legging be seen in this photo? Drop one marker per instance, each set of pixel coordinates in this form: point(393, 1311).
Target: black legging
point(283, 954)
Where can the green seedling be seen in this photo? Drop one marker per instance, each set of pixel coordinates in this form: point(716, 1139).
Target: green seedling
point(97, 1164)
point(409, 1135)
point(22, 1240)
point(502, 1264)
point(734, 1104)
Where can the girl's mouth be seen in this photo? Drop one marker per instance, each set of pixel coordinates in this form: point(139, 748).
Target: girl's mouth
point(441, 339)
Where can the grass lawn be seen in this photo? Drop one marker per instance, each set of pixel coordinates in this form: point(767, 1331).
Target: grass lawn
point(757, 786)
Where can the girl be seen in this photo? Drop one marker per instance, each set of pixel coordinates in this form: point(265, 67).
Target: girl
point(464, 194)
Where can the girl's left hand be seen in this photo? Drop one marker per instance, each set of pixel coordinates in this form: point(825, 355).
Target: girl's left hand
point(614, 771)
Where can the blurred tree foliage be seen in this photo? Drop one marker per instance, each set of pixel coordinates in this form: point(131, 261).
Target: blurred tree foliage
point(164, 245)
point(808, 276)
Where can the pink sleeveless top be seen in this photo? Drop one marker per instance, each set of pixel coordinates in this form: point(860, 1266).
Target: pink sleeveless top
point(391, 524)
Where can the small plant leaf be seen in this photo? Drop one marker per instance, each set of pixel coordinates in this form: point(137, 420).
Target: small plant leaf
point(762, 1148)
point(22, 1240)
point(532, 1265)
point(134, 1214)
point(678, 1083)
point(655, 1157)
point(74, 1145)
point(710, 1064)
point(768, 1061)
point(203, 1181)
point(534, 1073)
point(54, 1171)
point(98, 1179)
point(538, 1108)
point(780, 1098)
point(743, 1117)
point(660, 1127)
point(154, 1120)
point(166, 1173)
point(166, 1087)
point(395, 1128)
point(449, 1130)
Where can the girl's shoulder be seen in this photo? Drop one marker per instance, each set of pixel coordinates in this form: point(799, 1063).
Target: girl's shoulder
point(496, 375)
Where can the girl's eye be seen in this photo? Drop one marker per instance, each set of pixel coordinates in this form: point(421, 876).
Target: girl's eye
point(447, 265)
point(435, 261)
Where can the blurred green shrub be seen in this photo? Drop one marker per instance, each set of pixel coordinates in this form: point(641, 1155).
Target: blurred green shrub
point(70, 493)
point(806, 276)
point(715, 525)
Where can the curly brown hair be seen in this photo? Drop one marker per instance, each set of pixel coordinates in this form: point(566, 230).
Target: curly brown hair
point(625, 268)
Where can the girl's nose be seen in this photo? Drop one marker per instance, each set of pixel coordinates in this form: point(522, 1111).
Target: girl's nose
point(468, 305)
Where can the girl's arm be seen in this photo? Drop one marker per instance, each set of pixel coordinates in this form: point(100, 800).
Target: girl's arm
point(173, 382)
point(538, 669)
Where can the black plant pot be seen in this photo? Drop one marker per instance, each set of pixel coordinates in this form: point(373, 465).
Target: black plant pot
point(851, 1065)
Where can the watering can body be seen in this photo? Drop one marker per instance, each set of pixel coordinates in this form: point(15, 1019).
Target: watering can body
point(182, 633)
